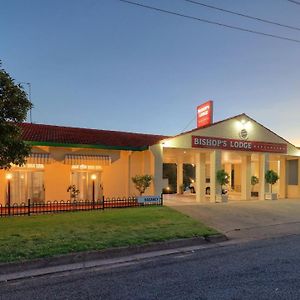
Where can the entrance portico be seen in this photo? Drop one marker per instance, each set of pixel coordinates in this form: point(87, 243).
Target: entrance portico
point(240, 146)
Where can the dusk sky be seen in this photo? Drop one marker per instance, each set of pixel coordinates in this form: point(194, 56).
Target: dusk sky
point(109, 65)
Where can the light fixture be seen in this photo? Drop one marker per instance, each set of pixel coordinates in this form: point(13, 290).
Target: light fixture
point(93, 177)
point(166, 143)
point(8, 176)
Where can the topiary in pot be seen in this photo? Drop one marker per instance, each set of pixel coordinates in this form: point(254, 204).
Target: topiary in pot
point(271, 178)
point(223, 179)
point(254, 181)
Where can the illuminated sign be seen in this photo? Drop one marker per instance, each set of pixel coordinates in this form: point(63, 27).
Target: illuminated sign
point(205, 114)
point(238, 145)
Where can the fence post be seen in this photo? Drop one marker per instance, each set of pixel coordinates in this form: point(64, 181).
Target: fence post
point(162, 199)
point(103, 202)
point(28, 207)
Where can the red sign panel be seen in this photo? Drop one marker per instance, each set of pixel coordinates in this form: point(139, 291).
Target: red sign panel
point(238, 145)
point(205, 114)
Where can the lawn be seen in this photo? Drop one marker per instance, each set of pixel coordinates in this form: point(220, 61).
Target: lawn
point(24, 238)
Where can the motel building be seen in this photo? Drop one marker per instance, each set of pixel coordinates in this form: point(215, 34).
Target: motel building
point(64, 156)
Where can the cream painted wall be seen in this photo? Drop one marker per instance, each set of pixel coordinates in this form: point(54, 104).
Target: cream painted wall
point(57, 178)
point(115, 177)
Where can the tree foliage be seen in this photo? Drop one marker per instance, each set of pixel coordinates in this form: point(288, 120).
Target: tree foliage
point(271, 177)
point(142, 182)
point(14, 106)
point(222, 177)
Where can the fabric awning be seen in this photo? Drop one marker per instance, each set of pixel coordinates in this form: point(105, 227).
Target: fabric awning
point(79, 159)
point(38, 158)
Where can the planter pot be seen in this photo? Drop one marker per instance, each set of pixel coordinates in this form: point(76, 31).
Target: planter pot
point(271, 196)
point(222, 198)
point(254, 194)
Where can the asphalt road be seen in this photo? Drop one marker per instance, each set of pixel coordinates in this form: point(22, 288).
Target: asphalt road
point(265, 269)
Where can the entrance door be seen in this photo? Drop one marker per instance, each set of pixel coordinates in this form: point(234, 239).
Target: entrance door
point(36, 191)
point(83, 180)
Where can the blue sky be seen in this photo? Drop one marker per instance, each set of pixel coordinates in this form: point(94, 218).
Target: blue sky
point(105, 64)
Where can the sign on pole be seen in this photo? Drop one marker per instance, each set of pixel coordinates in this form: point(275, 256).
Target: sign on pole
point(205, 114)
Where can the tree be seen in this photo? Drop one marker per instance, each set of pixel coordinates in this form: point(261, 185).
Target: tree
point(142, 182)
point(271, 178)
point(14, 106)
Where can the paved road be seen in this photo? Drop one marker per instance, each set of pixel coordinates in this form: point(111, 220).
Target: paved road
point(254, 219)
point(265, 269)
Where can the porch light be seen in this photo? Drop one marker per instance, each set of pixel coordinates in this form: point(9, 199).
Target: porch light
point(166, 143)
point(93, 177)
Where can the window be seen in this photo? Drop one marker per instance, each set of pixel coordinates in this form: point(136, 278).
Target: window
point(292, 172)
point(27, 185)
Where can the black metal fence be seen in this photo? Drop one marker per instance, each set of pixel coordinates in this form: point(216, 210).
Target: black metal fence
point(30, 207)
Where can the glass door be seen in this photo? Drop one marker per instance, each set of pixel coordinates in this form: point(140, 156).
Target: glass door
point(84, 182)
point(36, 189)
point(27, 185)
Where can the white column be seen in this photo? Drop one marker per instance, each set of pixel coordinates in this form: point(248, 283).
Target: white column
point(215, 165)
point(282, 178)
point(228, 168)
point(179, 175)
point(263, 167)
point(157, 151)
point(200, 177)
point(246, 177)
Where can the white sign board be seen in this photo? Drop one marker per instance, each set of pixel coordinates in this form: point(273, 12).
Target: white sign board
point(149, 199)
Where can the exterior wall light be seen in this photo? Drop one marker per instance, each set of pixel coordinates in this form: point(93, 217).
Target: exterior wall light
point(8, 176)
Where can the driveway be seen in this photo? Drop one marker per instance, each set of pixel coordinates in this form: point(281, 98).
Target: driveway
point(248, 220)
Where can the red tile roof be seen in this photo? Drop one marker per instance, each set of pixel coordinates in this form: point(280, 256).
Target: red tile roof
point(50, 134)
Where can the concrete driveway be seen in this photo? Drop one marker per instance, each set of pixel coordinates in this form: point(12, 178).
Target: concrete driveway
point(247, 220)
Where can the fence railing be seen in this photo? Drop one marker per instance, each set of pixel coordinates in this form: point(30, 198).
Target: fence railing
point(30, 207)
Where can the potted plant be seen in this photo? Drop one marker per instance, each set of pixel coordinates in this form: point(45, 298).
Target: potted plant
point(271, 178)
point(254, 181)
point(142, 182)
point(222, 179)
point(74, 192)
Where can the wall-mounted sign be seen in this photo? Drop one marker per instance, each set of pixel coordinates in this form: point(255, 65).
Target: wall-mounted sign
point(238, 145)
point(205, 114)
point(243, 134)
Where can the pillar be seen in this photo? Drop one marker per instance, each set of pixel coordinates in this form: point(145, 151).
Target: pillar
point(282, 178)
point(157, 151)
point(179, 175)
point(200, 177)
point(215, 165)
point(228, 168)
point(246, 177)
point(263, 167)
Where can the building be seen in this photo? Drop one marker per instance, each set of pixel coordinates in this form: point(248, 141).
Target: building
point(64, 156)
